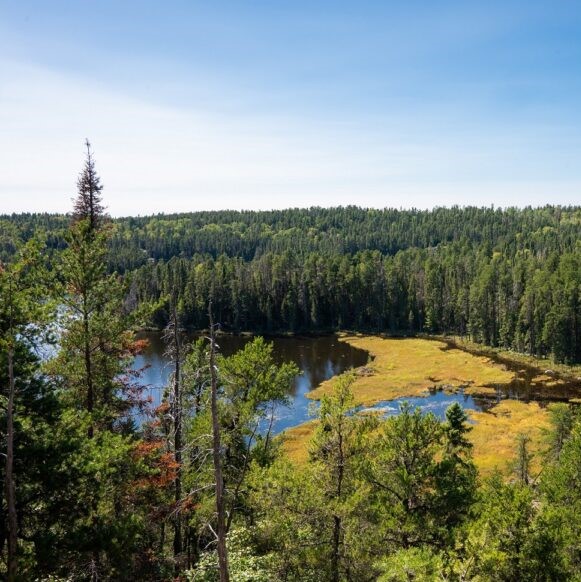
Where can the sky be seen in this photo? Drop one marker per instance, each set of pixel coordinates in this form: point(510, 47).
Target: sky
point(272, 104)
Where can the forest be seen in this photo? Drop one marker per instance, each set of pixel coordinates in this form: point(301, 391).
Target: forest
point(100, 485)
point(506, 278)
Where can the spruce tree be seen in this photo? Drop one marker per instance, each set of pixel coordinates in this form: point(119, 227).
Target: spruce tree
point(92, 367)
point(21, 311)
point(88, 204)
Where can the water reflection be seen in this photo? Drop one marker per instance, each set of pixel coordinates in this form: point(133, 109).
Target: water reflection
point(318, 358)
point(529, 383)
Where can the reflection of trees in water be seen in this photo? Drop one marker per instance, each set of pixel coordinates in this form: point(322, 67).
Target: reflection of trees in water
point(524, 387)
point(526, 384)
point(318, 358)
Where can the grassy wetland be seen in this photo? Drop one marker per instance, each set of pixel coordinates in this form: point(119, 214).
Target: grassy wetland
point(319, 318)
point(513, 393)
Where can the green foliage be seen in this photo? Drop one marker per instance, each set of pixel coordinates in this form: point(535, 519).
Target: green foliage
point(413, 564)
point(252, 381)
point(375, 497)
point(28, 410)
point(522, 533)
point(251, 386)
point(456, 474)
point(456, 429)
point(403, 477)
point(26, 308)
point(101, 470)
point(394, 499)
point(522, 463)
point(90, 375)
point(95, 325)
point(561, 485)
point(335, 450)
point(507, 277)
point(505, 541)
point(245, 566)
point(293, 523)
point(562, 418)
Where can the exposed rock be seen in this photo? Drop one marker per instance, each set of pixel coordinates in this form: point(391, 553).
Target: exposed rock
point(364, 371)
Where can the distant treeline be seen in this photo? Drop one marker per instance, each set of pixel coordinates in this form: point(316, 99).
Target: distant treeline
point(505, 277)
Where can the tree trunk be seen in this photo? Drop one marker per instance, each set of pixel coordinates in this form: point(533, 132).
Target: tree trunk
point(88, 367)
point(337, 518)
point(95, 559)
point(177, 413)
point(336, 542)
point(221, 522)
point(9, 484)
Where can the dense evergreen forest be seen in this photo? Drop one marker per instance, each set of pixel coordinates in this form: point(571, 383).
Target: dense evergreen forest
point(98, 485)
point(505, 277)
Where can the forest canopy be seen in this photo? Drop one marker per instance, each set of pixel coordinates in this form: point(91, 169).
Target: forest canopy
point(100, 484)
point(506, 277)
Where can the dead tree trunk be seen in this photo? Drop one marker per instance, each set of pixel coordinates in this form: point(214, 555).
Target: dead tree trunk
point(217, 454)
point(177, 416)
point(336, 557)
point(174, 352)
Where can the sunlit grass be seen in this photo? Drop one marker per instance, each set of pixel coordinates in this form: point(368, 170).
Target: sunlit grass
point(407, 367)
point(494, 436)
point(541, 363)
point(404, 367)
point(296, 441)
point(495, 433)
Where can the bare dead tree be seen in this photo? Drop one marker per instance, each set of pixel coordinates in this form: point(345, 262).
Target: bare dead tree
point(217, 455)
point(172, 337)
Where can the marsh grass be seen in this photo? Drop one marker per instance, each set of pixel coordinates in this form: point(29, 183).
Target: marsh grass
point(494, 436)
point(403, 367)
point(495, 433)
point(296, 441)
point(565, 370)
point(406, 367)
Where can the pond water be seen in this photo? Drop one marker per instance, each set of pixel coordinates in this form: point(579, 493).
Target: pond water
point(435, 401)
point(526, 384)
point(322, 357)
point(318, 358)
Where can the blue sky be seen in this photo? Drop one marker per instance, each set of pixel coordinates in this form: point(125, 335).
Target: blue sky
point(199, 105)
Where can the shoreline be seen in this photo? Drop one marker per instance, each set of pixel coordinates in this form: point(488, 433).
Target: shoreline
point(560, 371)
point(408, 367)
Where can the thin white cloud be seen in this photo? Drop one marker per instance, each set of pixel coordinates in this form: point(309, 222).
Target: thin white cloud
point(155, 158)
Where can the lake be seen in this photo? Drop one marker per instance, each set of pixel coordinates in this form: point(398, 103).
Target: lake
point(317, 357)
point(322, 357)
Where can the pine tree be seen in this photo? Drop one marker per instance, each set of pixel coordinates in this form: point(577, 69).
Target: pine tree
point(20, 313)
point(97, 347)
point(456, 472)
point(456, 429)
point(522, 463)
point(333, 451)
